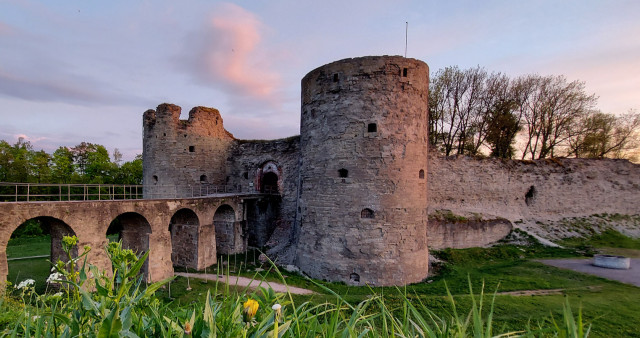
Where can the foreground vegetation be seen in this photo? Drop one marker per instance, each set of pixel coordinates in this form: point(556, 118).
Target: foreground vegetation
point(468, 297)
point(122, 306)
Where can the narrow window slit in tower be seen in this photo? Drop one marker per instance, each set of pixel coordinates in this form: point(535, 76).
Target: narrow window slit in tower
point(372, 128)
point(367, 213)
point(344, 173)
point(421, 174)
point(404, 72)
point(335, 77)
point(192, 149)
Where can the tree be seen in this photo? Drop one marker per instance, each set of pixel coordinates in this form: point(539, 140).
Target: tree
point(550, 111)
point(503, 126)
point(39, 162)
point(601, 135)
point(455, 109)
point(130, 172)
point(98, 165)
point(62, 170)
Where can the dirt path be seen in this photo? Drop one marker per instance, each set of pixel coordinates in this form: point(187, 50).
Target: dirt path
point(631, 276)
point(244, 281)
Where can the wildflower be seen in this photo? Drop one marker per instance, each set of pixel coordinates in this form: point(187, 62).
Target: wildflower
point(54, 278)
point(250, 308)
point(25, 283)
point(187, 328)
point(276, 317)
point(69, 242)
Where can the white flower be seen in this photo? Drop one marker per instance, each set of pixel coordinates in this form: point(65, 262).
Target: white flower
point(54, 277)
point(25, 283)
point(276, 307)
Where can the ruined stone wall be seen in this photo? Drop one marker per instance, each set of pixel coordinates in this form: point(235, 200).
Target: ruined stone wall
point(247, 164)
point(466, 233)
point(363, 146)
point(542, 189)
point(180, 156)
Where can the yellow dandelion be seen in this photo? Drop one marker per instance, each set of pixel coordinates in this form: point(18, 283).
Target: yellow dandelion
point(250, 308)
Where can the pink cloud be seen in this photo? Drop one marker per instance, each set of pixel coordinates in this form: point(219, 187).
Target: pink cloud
point(231, 56)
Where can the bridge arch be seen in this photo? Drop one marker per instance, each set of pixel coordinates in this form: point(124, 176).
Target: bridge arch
point(184, 227)
point(24, 268)
point(133, 230)
point(229, 236)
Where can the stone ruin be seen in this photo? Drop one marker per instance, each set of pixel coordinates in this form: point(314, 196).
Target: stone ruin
point(349, 198)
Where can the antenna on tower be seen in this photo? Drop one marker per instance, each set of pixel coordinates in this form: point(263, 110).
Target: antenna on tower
point(406, 37)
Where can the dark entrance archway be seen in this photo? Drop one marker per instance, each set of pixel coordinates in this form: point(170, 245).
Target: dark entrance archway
point(34, 244)
point(184, 238)
point(269, 183)
point(133, 230)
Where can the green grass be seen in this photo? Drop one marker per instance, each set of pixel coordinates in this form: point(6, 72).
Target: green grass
point(607, 239)
point(29, 246)
point(37, 269)
point(610, 306)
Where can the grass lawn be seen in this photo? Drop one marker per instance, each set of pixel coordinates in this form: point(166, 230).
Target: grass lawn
point(29, 246)
point(611, 307)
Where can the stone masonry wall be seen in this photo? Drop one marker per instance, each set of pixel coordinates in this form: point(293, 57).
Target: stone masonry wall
point(542, 189)
point(247, 159)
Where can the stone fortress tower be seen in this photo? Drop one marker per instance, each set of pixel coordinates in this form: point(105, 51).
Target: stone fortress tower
point(363, 190)
point(182, 155)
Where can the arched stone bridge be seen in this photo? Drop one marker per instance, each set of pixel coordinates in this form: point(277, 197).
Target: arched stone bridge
point(183, 232)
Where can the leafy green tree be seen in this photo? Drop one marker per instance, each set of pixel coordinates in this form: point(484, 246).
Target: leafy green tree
point(503, 126)
point(130, 172)
point(63, 170)
point(6, 160)
point(39, 162)
point(98, 166)
point(19, 168)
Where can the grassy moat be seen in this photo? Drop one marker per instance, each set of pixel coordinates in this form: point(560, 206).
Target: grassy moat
point(610, 307)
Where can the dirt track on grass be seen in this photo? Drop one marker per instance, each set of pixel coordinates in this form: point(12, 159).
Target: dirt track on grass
point(244, 281)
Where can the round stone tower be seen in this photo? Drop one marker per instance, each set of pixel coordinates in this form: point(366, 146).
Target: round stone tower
point(363, 189)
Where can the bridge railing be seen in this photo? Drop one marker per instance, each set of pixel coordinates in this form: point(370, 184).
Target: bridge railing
point(186, 191)
point(40, 192)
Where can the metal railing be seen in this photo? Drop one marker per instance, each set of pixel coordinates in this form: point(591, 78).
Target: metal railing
point(187, 191)
point(39, 192)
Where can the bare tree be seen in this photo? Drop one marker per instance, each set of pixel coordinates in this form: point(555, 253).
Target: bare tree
point(550, 113)
point(601, 135)
point(455, 109)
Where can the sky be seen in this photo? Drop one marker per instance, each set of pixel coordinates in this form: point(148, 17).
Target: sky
point(77, 70)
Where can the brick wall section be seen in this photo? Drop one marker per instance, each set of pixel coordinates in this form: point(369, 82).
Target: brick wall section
point(339, 103)
point(561, 187)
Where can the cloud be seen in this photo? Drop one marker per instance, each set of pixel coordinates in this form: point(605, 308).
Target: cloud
point(227, 54)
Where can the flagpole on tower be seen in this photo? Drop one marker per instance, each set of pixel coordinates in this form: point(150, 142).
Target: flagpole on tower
point(406, 37)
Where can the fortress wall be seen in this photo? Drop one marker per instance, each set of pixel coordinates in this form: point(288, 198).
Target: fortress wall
point(181, 155)
point(246, 167)
point(525, 190)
